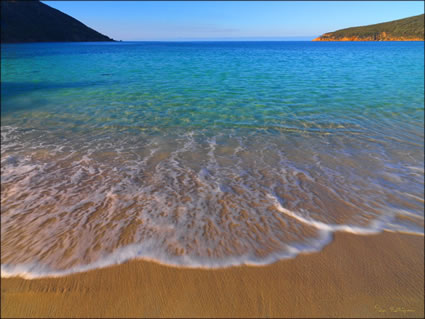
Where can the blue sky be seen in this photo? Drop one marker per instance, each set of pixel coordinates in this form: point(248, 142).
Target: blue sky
point(230, 20)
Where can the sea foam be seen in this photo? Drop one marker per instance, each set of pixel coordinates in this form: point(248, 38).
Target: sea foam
point(194, 200)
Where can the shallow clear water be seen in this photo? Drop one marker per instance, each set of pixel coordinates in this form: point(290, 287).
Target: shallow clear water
point(205, 154)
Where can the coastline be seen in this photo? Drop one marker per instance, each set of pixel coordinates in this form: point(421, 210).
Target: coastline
point(359, 39)
point(354, 276)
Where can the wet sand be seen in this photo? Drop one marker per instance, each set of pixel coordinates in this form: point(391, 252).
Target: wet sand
point(355, 276)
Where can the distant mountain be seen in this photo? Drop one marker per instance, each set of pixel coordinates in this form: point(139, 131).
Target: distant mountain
point(33, 21)
point(408, 29)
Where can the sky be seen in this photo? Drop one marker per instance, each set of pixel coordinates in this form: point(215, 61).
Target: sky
point(230, 20)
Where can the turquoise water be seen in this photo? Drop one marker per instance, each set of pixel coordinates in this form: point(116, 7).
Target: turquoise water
point(205, 154)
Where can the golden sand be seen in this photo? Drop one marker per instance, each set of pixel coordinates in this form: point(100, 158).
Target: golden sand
point(355, 276)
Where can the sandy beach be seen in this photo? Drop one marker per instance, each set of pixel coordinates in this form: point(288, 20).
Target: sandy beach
point(355, 276)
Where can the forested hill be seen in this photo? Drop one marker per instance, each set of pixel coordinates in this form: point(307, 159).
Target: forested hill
point(408, 29)
point(34, 21)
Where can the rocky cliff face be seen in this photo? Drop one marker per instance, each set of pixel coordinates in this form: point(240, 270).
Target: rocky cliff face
point(33, 21)
point(409, 29)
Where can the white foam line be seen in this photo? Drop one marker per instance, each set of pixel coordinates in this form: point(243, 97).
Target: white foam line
point(149, 252)
point(329, 227)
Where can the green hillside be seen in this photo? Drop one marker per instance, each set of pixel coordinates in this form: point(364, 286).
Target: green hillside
point(404, 29)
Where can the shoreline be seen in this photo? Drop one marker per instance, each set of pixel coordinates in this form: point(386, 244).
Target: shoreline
point(378, 275)
point(45, 273)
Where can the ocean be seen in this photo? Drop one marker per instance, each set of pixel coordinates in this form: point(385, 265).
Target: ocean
point(205, 154)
